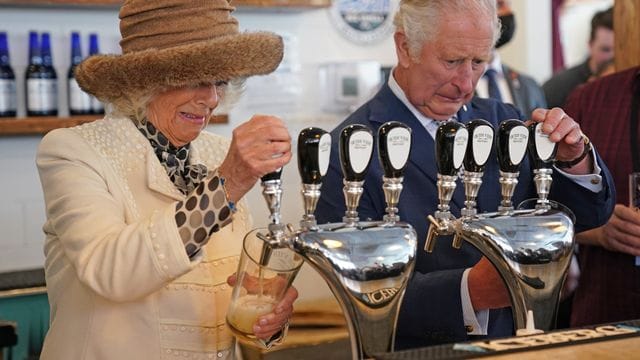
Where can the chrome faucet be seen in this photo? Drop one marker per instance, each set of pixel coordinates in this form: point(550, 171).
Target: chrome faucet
point(368, 264)
point(530, 247)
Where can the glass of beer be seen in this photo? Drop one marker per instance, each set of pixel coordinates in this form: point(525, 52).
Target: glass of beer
point(263, 277)
point(634, 197)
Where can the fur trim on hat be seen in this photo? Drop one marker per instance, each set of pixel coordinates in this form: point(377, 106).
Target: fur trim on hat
point(109, 77)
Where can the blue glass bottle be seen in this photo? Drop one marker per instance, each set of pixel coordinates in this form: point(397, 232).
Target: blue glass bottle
point(41, 78)
point(79, 101)
point(96, 105)
point(7, 80)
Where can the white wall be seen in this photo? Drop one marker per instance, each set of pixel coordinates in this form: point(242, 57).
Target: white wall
point(530, 49)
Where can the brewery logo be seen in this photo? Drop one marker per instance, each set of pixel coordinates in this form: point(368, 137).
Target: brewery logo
point(364, 21)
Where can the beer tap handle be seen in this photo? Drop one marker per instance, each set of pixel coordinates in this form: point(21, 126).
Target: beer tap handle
point(356, 148)
point(451, 144)
point(272, 193)
point(479, 145)
point(479, 148)
point(394, 146)
point(512, 141)
point(272, 176)
point(314, 149)
point(542, 153)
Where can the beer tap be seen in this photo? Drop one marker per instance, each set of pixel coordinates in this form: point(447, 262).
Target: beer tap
point(479, 148)
point(272, 193)
point(314, 148)
point(356, 148)
point(513, 138)
point(367, 264)
point(394, 146)
point(451, 144)
point(542, 153)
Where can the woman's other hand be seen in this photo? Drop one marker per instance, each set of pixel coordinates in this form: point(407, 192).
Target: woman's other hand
point(258, 147)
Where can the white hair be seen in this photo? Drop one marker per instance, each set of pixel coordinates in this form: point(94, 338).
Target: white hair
point(135, 107)
point(419, 19)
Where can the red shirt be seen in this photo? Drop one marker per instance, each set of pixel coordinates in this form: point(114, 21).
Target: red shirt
point(609, 287)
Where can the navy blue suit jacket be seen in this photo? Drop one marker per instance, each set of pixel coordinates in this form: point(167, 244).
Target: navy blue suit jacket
point(431, 312)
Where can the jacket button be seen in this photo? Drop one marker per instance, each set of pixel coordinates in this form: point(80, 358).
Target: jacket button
point(468, 328)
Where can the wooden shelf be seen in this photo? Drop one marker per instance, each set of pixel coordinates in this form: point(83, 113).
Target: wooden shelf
point(44, 124)
point(117, 3)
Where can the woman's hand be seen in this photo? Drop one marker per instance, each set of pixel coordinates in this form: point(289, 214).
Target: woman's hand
point(269, 324)
point(258, 147)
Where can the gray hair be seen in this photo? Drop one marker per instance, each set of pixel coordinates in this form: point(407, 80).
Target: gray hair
point(136, 107)
point(419, 19)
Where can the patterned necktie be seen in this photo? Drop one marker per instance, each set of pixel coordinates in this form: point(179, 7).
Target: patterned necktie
point(492, 82)
point(184, 176)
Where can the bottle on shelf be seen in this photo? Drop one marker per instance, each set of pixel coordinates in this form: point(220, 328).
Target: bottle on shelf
point(79, 101)
point(7, 80)
point(96, 105)
point(41, 78)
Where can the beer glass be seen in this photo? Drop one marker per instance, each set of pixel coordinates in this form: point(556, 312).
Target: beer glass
point(263, 277)
point(634, 197)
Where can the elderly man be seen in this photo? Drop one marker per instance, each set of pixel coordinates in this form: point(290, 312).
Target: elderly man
point(443, 47)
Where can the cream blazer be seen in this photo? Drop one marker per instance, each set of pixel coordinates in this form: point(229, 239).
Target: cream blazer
point(119, 282)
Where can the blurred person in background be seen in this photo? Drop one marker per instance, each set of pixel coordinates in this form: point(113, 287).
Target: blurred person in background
point(601, 49)
point(503, 82)
point(609, 286)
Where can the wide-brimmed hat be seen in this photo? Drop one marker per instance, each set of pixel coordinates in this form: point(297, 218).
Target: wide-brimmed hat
point(174, 43)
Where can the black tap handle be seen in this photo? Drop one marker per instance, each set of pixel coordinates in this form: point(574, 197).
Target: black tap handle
point(272, 175)
point(314, 148)
point(479, 145)
point(511, 144)
point(542, 151)
point(451, 144)
point(356, 148)
point(394, 145)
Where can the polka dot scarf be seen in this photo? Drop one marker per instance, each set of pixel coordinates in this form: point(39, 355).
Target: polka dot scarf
point(184, 175)
point(206, 209)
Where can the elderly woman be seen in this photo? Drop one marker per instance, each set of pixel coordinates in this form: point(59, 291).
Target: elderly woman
point(145, 216)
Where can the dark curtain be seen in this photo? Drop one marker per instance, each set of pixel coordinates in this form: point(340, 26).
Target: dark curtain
point(557, 57)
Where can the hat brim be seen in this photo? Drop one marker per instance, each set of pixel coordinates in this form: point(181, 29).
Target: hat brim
point(109, 77)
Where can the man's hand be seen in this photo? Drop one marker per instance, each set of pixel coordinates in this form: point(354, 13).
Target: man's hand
point(621, 233)
point(564, 131)
point(486, 288)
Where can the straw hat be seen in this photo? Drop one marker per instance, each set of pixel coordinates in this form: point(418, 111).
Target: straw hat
point(176, 43)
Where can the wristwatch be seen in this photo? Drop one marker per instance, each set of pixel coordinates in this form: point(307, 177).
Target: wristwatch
point(571, 163)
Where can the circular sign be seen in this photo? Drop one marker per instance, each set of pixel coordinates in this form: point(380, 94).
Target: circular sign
point(364, 21)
